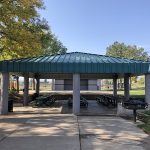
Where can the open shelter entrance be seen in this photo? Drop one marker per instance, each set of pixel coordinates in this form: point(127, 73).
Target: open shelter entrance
point(75, 66)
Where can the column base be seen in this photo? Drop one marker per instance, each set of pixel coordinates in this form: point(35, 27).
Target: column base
point(121, 111)
point(148, 108)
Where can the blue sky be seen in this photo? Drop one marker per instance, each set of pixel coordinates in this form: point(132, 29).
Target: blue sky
point(93, 25)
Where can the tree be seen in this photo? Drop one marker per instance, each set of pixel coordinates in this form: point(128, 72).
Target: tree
point(127, 51)
point(17, 28)
point(49, 42)
point(23, 33)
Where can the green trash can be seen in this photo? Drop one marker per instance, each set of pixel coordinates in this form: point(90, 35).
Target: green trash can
point(10, 105)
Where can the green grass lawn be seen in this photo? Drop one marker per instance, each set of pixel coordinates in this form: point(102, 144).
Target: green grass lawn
point(137, 92)
point(134, 92)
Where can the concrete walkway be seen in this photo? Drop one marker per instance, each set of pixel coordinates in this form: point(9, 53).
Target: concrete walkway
point(39, 132)
point(110, 133)
point(68, 132)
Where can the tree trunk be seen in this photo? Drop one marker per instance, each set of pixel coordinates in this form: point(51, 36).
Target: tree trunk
point(10, 84)
point(13, 84)
point(17, 80)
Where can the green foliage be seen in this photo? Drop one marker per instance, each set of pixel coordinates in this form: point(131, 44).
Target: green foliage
point(127, 51)
point(17, 28)
point(142, 80)
point(12, 91)
point(23, 33)
point(50, 44)
point(134, 92)
point(145, 118)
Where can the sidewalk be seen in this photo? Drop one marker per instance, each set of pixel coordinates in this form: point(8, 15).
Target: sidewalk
point(68, 132)
point(39, 132)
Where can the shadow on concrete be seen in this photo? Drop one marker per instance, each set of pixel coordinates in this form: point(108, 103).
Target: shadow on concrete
point(30, 132)
point(43, 129)
point(93, 109)
point(110, 133)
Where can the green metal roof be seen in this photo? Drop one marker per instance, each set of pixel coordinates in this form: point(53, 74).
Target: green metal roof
point(75, 62)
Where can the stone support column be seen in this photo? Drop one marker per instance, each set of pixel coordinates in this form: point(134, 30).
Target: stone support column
point(33, 84)
point(4, 93)
point(126, 87)
point(26, 90)
point(76, 94)
point(53, 84)
point(147, 89)
point(37, 85)
point(121, 111)
point(115, 87)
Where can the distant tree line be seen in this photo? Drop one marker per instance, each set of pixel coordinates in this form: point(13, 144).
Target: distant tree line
point(127, 51)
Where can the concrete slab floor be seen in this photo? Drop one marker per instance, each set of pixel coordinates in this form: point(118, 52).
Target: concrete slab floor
point(61, 107)
point(68, 132)
point(93, 109)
